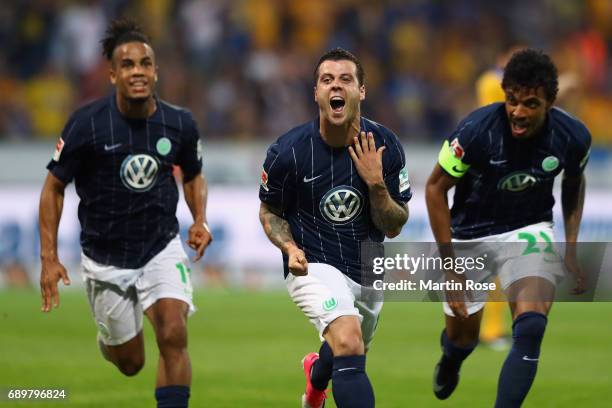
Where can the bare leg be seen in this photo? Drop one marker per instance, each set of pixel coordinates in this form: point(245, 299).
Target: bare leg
point(128, 357)
point(169, 320)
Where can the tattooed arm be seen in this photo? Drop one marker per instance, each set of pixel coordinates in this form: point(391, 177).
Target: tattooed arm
point(386, 213)
point(277, 230)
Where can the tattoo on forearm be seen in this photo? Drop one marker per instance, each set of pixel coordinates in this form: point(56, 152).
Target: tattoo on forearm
point(276, 228)
point(389, 218)
point(387, 215)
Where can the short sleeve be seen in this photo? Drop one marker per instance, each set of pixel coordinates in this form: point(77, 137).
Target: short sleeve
point(69, 152)
point(578, 156)
point(190, 156)
point(396, 173)
point(458, 152)
point(275, 188)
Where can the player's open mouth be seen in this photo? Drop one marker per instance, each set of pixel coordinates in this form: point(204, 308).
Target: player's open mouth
point(519, 128)
point(337, 104)
point(138, 85)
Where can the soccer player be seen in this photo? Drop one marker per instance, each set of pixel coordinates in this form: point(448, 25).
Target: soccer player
point(493, 331)
point(327, 186)
point(120, 151)
point(502, 161)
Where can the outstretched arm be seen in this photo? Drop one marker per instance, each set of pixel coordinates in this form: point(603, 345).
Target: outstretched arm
point(49, 214)
point(196, 196)
point(387, 214)
point(278, 231)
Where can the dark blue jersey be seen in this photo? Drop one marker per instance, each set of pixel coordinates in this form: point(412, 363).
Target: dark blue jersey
point(320, 194)
point(506, 183)
point(122, 169)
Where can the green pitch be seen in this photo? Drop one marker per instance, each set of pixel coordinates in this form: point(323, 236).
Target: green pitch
point(246, 350)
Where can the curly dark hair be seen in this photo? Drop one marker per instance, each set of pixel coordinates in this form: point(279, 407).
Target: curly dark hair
point(338, 54)
point(531, 69)
point(121, 31)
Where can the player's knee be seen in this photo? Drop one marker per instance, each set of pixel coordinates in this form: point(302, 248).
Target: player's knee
point(172, 336)
point(130, 366)
point(529, 325)
point(348, 344)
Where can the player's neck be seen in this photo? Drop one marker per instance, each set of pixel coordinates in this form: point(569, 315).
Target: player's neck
point(339, 136)
point(136, 109)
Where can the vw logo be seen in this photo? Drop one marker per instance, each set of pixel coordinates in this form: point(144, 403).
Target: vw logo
point(341, 204)
point(517, 182)
point(138, 172)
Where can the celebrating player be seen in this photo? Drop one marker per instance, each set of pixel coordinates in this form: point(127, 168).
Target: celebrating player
point(503, 160)
point(493, 329)
point(120, 151)
point(327, 186)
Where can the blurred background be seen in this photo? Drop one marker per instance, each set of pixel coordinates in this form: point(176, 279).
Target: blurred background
point(245, 70)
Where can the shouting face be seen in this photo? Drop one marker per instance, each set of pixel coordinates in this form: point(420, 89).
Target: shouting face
point(526, 110)
point(133, 71)
point(338, 91)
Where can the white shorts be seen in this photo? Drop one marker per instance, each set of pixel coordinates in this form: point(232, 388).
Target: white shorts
point(325, 294)
point(118, 297)
point(513, 262)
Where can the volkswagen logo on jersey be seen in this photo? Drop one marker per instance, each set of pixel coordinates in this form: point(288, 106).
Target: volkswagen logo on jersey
point(517, 182)
point(341, 204)
point(138, 172)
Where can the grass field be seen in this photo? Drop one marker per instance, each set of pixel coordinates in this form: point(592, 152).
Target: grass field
point(246, 349)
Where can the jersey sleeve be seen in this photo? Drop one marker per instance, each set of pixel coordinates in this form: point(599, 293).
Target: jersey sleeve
point(275, 188)
point(578, 157)
point(396, 173)
point(69, 151)
point(459, 152)
point(190, 156)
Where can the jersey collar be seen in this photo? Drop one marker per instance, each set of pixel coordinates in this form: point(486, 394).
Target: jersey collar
point(155, 118)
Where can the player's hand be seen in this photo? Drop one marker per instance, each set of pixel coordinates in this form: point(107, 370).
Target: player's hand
point(456, 301)
point(368, 160)
point(456, 298)
point(571, 263)
point(199, 239)
point(298, 265)
point(52, 271)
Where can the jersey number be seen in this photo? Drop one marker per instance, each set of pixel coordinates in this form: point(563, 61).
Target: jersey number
point(532, 243)
point(184, 271)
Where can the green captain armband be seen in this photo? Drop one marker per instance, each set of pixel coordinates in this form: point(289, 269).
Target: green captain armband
point(449, 159)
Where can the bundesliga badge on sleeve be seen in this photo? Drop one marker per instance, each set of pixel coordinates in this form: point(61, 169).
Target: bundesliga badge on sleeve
point(404, 180)
point(264, 180)
point(58, 149)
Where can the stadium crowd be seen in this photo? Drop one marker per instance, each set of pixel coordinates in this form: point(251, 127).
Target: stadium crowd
point(244, 66)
